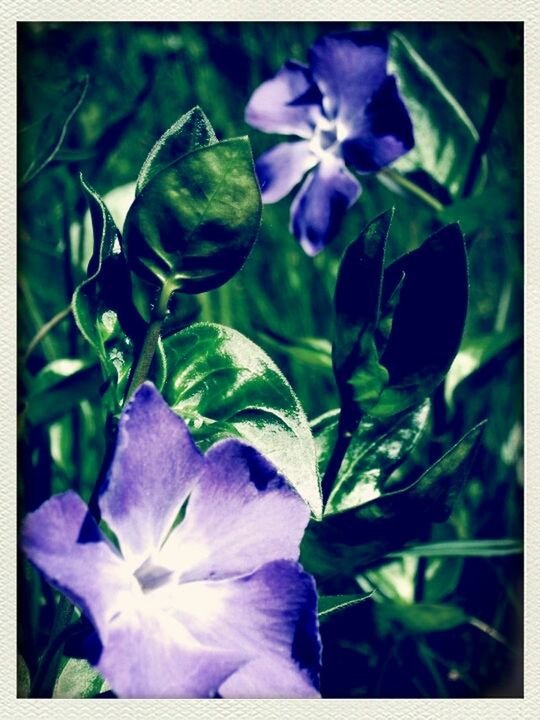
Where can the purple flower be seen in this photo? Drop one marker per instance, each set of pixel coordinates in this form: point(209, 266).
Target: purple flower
point(348, 111)
point(216, 604)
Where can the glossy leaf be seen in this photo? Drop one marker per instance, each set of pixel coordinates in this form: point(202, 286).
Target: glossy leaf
point(40, 141)
point(445, 136)
point(328, 605)
point(428, 321)
point(351, 540)
point(78, 679)
point(191, 131)
point(359, 374)
point(377, 448)
point(103, 307)
point(194, 223)
point(224, 385)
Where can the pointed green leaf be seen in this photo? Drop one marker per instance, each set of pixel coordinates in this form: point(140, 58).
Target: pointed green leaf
point(224, 385)
point(428, 321)
point(353, 539)
point(78, 679)
point(191, 131)
point(23, 678)
point(360, 377)
point(40, 141)
point(194, 223)
point(103, 307)
point(420, 617)
point(445, 136)
point(377, 448)
point(330, 604)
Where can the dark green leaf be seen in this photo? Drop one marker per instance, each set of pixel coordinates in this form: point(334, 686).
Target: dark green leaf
point(445, 137)
point(360, 377)
point(61, 386)
point(194, 223)
point(349, 541)
point(103, 306)
point(78, 679)
point(377, 448)
point(420, 617)
point(224, 385)
point(40, 141)
point(330, 604)
point(428, 322)
point(191, 131)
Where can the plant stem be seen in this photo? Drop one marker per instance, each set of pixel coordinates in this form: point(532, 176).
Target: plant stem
point(44, 329)
point(153, 332)
point(413, 188)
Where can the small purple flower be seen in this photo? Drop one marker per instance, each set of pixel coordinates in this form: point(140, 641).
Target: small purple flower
point(348, 111)
point(214, 605)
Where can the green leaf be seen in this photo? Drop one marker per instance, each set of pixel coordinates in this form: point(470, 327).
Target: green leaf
point(40, 140)
point(360, 377)
point(313, 351)
point(465, 548)
point(445, 137)
point(331, 604)
point(23, 678)
point(191, 131)
point(377, 448)
point(194, 223)
point(61, 386)
point(428, 321)
point(224, 385)
point(351, 540)
point(478, 353)
point(420, 617)
point(103, 307)
point(78, 679)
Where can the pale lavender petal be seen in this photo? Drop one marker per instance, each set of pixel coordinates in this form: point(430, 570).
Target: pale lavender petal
point(288, 104)
point(319, 206)
point(348, 68)
point(240, 515)
point(384, 134)
point(154, 467)
point(149, 654)
point(269, 677)
point(63, 541)
point(282, 167)
point(271, 612)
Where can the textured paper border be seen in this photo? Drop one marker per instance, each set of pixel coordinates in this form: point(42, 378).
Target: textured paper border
point(161, 10)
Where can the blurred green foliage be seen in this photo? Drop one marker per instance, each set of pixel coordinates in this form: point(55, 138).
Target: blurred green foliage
point(437, 627)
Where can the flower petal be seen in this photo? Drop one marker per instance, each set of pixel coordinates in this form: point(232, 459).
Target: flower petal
point(288, 104)
point(348, 68)
point(319, 206)
point(151, 655)
point(240, 515)
point(282, 167)
point(269, 677)
point(271, 612)
point(386, 131)
point(62, 539)
point(154, 467)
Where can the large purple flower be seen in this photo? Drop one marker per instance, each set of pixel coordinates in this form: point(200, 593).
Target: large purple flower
point(348, 111)
point(214, 605)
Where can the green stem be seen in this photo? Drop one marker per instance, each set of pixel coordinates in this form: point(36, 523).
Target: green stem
point(343, 441)
point(42, 332)
point(413, 188)
point(153, 332)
